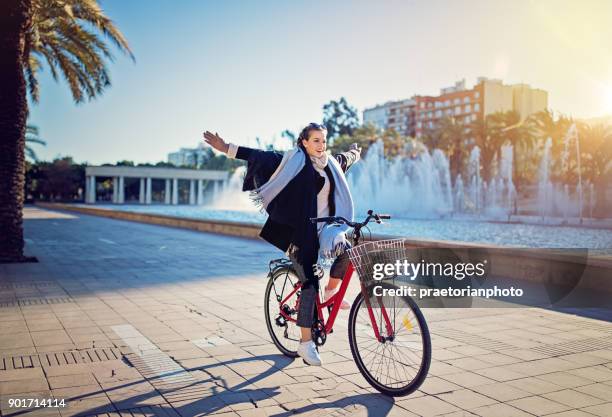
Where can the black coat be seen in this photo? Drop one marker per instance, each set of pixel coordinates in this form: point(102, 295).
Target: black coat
point(295, 204)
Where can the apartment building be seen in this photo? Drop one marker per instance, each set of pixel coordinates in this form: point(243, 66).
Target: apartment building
point(413, 116)
point(398, 115)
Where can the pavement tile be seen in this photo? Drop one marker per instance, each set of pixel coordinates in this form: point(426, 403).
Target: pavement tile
point(571, 413)
point(601, 391)
point(538, 405)
point(601, 410)
point(427, 406)
point(24, 386)
point(74, 380)
point(573, 398)
point(499, 373)
point(435, 385)
point(534, 385)
point(565, 379)
point(499, 410)
point(466, 399)
point(594, 373)
point(467, 379)
point(19, 374)
point(501, 391)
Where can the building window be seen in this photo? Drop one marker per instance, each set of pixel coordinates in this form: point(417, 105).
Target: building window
point(477, 94)
point(449, 112)
point(468, 109)
point(419, 124)
point(430, 124)
point(438, 113)
point(422, 105)
point(458, 110)
point(466, 99)
point(467, 119)
point(477, 107)
point(438, 104)
point(447, 103)
point(457, 100)
point(474, 117)
point(430, 114)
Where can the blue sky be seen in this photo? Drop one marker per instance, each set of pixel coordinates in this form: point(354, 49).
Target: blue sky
point(255, 68)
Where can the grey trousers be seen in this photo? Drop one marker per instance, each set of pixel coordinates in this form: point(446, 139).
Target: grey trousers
point(306, 311)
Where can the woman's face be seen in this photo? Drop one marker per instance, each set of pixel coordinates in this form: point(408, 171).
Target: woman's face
point(316, 143)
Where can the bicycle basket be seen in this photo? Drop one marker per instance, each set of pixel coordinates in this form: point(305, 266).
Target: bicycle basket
point(368, 254)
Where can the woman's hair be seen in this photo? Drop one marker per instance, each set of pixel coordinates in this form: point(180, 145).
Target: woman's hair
point(304, 134)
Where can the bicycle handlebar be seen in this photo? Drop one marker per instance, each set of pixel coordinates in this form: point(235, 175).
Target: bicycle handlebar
point(341, 220)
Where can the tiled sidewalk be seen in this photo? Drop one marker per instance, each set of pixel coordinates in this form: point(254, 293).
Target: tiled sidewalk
point(123, 318)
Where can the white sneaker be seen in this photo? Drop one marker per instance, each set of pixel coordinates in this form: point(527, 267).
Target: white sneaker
point(330, 293)
point(308, 352)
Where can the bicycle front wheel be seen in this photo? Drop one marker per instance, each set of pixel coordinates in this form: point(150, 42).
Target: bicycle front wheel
point(398, 365)
point(284, 333)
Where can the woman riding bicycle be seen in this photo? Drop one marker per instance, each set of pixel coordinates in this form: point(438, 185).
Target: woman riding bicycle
point(293, 188)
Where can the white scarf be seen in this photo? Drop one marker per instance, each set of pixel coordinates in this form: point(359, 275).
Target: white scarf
point(332, 237)
point(320, 162)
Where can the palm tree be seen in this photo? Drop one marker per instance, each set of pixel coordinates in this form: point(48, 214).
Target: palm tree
point(596, 157)
point(520, 133)
point(449, 136)
point(547, 126)
point(487, 136)
point(67, 34)
point(32, 137)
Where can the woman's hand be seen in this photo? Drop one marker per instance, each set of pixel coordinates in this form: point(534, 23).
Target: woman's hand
point(216, 142)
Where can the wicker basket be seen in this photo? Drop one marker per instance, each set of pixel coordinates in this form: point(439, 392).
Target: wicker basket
point(366, 255)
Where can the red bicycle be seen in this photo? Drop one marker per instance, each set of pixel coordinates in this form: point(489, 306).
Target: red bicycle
point(389, 337)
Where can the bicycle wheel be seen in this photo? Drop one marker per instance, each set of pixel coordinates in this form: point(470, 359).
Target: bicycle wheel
point(285, 334)
point(397, 366)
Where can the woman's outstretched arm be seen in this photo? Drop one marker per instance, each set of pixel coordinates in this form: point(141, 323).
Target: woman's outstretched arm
point(216, 142)
point(260, 164)
point(346, 159)
point(235, 151)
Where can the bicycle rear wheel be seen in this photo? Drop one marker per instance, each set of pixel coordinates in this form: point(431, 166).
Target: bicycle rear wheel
point(284, 333)
point(397, 366)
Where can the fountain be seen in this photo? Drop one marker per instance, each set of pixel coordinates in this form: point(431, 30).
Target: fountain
point(556, 199)
point(572, 134)
point(417, 184)
point(545, 185)
point(231, 196)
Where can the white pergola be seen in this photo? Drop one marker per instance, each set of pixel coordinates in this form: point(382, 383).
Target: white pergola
point(195, 177)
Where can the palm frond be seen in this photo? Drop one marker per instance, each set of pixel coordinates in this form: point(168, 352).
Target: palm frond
point(68, 35)
point(32, 137)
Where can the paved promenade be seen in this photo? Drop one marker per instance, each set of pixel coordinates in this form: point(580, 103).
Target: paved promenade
point(128, 319)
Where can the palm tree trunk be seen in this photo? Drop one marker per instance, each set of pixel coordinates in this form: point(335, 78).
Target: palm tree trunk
point(14, 19)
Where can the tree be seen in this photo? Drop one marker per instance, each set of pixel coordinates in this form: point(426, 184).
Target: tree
point(486, 135)
point(32, 137)
point(364, 136)
point(596, 157)
point(449, 136)
point(340, 119)
point(547, 126)
point(290, 136)
point(66, 34)
point(521, 135)
point(59, 180)
point(125, 163)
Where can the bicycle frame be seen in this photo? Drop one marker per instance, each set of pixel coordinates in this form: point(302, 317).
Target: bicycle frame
point(336, 300)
